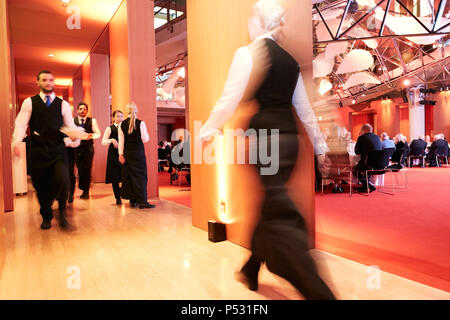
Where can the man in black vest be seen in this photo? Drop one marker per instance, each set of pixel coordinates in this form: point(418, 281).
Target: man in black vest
point(84, 154)
point(45, 114)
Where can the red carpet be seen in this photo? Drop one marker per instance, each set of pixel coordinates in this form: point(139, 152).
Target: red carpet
point(407, 234)
point(179, 194)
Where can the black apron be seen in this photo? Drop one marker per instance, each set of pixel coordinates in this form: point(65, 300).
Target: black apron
point(113, 166)
point(134, 171)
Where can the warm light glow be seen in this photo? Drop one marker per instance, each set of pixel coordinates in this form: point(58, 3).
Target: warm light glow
point(222, 180)
point(98, 10)
point(353, 101)
point(63, 81)
point(69, 57)
point(51, 55)
point(182, 73)
point(324, 86)
point(406, 82)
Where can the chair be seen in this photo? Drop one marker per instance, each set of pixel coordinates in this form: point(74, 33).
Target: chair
point(183, 168)
point(340, 167)
point(411, 159)
point(440, 157)
point(376, 161)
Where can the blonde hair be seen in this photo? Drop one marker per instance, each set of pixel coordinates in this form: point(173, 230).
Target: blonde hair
point(132, 109)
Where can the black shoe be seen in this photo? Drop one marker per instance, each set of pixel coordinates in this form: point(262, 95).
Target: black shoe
point(250, 282)
point(85, 195)
point(372, 187)
point(146, 205)
point(362, 190)
point(133, 204)
point(70, 198)
point(118, 201)
point(46, 224)
point(63, 223)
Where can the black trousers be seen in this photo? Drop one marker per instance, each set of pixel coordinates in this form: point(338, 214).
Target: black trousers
point(281, 239)
point(116, 189)
point(71, 167)
point(83, 159)
point(50, 184)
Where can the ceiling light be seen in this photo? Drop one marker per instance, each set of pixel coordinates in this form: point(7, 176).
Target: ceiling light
point(51, 55)
point(353, 101)
point(406, 82)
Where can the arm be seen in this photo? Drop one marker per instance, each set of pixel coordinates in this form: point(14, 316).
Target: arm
point(66, 112)
point(144, 132)
point(22, 120)
point(97, 134)
point(235, 85)
point(106, 140)
point(306, 114)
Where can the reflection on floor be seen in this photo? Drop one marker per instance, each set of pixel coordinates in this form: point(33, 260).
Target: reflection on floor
point(124, 253)
point(406, 233)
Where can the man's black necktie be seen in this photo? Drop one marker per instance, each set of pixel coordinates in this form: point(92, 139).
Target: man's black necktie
point(82, 123)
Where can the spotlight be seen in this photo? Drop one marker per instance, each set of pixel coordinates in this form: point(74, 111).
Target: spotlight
point(353, 101)
point(406, 82)
point(51, 55)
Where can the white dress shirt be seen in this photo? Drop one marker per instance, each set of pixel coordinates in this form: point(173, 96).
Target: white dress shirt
point(235, 85)
point(96, 131)
point(106, 140)
point(23, 118)
point(144, 136)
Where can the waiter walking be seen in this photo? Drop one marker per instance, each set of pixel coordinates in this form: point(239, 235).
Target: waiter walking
point(84, 154)
point(46, 114)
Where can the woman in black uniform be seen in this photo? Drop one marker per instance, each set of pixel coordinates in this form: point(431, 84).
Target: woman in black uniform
point(113, 166)
point(280, 239)
point(132, 136)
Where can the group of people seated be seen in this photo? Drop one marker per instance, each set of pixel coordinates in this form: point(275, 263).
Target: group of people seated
point(376, 152)
point(165, 159)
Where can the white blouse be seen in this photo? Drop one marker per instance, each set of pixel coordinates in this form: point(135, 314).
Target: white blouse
point(235, 85)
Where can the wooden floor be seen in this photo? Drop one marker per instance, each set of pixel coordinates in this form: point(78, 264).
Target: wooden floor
point(124, 253)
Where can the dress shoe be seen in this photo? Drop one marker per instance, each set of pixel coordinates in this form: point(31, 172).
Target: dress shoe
point(63, 223)
point(70, 198)
point(362, 190)
point(146, 205)
point(133, 204)
point(372, 187)
point(84, 195)
point(337, 189)
point(46, 224)
point(118, 201)
point(250, 282)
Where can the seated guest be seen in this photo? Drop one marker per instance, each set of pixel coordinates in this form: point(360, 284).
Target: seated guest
point(401, 150)
point(162, 155)
point(386, 142)
point(438, 147)
point(418, 146)
point(366, 143)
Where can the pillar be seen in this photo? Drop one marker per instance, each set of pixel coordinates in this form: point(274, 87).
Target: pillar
point(132, 54)
point(416, 116)
point(96, 94)
point(6, 108)
point(215, 30)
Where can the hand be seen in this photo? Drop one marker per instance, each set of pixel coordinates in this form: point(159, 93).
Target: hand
point(115, 143)
point(121, 159)
point(89, 136)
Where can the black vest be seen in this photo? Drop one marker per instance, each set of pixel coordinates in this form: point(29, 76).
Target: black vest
point(88, 128)
point(132, 142)
point(276, 91)
point(46, 121)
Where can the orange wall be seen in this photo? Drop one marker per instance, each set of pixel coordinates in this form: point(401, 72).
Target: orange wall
point(215, 30)
point(388, 114)
point(7, 110)
point(86, 68)
point(119, 68)
point(441, 114)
